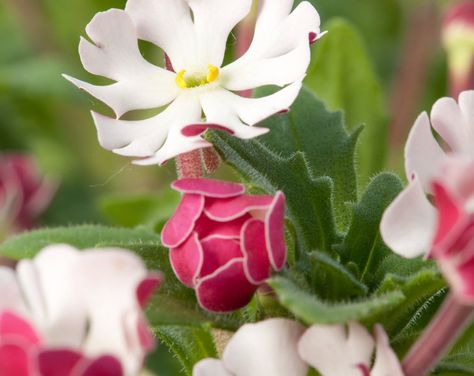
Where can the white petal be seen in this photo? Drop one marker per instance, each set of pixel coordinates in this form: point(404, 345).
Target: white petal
point(466, 103)
point(280, 71)
point(10, 293)
point(423, 155)
point(280, 51)
point(213, 22)
point(448, 120)
point(168, 24)
point(409, 223)
point(335, 350)
point(210, 367)
point(386, 361)
point(107, 281)
point(266, 348)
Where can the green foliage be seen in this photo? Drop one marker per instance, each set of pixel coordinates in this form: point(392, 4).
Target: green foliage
point(151, 210)
point(188, 344)
point(342, 75)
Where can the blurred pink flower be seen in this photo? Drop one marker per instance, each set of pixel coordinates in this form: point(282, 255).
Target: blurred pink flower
point(74, 313)
point(453, 245)
point(24, 193)
point(224, 243)
point(458, 39)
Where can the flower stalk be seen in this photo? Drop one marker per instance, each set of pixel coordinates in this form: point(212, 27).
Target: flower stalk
point(438, 338)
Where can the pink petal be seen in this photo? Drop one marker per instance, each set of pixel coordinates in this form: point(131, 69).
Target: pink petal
point(147, 287)
point(256, 262)
point(275, 232)
point(449, 212)
point(187, 260)
point(225, 290)
point(14, 360)
point(209, 187)
point(218, 252)
point(365, 371)
point(206, 227)
point(198, 129)
point(58, 362)
point(465, 276)
point(147, 340)
point(235, 207)
point(181, 224)
point(104, 366)
point(13, 325)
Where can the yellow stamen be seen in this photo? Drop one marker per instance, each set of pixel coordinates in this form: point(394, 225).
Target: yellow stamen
point(180, 81)
point(212, 74)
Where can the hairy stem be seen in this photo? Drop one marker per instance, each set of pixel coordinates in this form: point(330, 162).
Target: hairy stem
point(438, 338)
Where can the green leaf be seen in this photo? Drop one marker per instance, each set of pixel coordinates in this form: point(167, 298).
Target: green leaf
point(363, 244)
point(188, 344)
point(151, 210)
point(341, 73)
point(332, 280)
point(311, 159)
point(311, 309)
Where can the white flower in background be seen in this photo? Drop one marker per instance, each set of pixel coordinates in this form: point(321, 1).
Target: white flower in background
point(281, 347)
point(409, 224)
point(199, 94)
point(76, 312)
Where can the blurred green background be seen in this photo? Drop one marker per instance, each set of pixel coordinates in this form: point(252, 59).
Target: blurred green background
point(44, 115)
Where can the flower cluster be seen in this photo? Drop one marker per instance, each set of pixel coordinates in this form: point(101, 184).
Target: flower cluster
point(285, 348)
point(193, 34)
point(75, 313)
point(224, 243)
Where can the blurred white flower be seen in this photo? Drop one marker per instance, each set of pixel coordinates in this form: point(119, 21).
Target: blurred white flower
point(409, 224)
point(66, 309)
point(281, 347)
point(199, 93)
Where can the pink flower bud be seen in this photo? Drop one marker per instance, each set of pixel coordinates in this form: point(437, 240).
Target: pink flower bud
point(224, 243)
point(24, 193)
point(458, 39)
point(453, 246)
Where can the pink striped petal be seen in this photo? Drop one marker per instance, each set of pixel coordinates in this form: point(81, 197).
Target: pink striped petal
point(59, 362)
point(147, 341)
point(104, 366)
point(225, 290)
point(235, 207)
point(13, 325)
point(256, 261)
point(209, 187)
point(217, 253)
point(147, 287)
point(181, 224)
point(187, 260)
point(465, 281)
point(198, 129)
point(14, 360)
point(275, 232)
point(206, 227)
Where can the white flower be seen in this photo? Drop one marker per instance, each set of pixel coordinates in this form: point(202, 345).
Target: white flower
point(88, 301)
point(193, 34)
point(281, 347)
point(409, 223)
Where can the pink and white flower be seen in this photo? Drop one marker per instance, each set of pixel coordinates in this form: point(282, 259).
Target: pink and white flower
point(224, 243)
point(193, 34)
point(24, 193)
point(75, 313)
point(408, 225)
point(283, 347)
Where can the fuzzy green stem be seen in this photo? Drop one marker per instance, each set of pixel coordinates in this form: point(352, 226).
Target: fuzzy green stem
point(438, 338)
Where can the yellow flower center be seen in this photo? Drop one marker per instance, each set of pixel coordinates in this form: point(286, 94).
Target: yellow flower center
point(189, 81)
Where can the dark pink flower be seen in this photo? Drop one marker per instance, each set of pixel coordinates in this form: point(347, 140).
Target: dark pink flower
point(24, 193)
point(453, 246)
point(224, 243)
